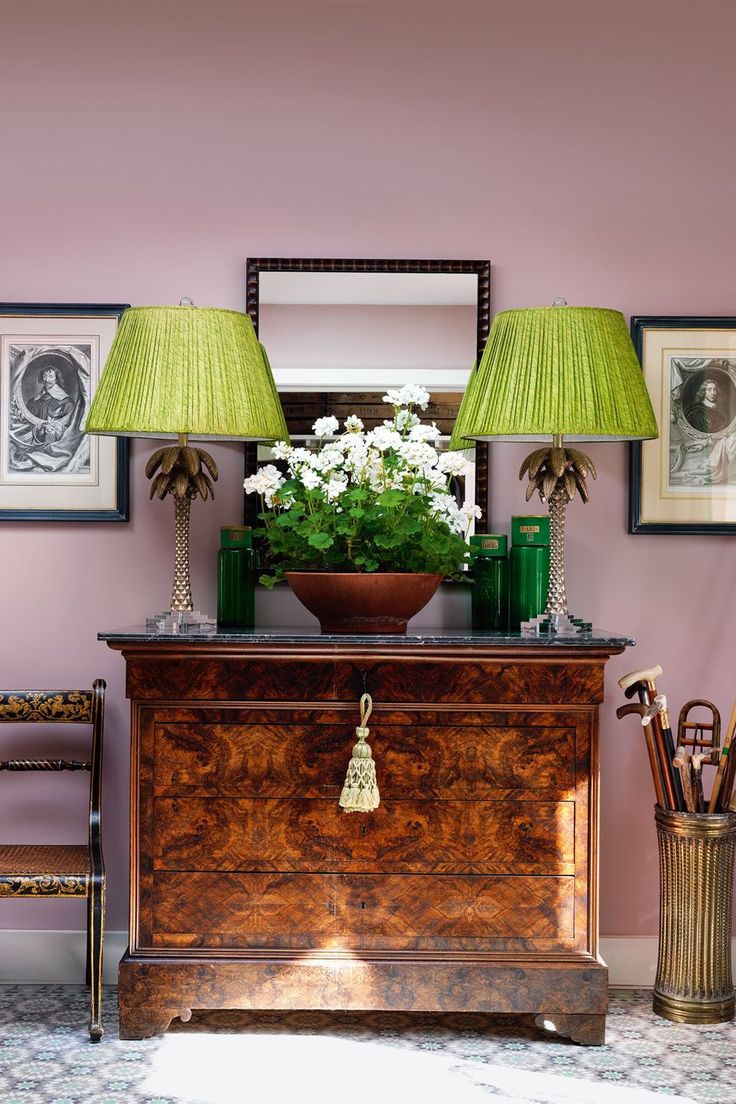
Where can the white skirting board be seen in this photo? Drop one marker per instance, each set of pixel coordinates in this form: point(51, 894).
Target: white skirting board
point(56, 957)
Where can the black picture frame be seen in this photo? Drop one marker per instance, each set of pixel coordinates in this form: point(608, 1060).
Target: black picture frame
point(92, 318)
point(479, 268)
point(680, 432)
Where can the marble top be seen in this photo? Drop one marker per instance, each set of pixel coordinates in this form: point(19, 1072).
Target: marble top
point(454, 636)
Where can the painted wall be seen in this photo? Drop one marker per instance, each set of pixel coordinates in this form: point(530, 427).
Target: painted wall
point(148, 149)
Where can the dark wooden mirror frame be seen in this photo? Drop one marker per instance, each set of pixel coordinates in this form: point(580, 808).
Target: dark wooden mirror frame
point(482, 269)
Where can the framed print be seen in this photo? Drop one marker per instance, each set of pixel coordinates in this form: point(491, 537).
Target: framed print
point(51, 357)
point(685, 482)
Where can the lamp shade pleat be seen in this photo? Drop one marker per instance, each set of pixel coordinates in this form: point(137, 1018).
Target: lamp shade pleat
point(187, 370)
point(556, 370)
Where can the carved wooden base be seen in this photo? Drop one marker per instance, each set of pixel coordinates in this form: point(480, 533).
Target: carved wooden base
point(153, 991)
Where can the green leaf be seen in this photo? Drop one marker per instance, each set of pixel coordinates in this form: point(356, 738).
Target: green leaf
point(321, 540)
point(391, 498)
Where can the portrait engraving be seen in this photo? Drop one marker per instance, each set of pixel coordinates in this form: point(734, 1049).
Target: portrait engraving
point(49, 396)
point(702, 422)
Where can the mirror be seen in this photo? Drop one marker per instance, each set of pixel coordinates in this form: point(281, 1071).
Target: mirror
point(339, 333)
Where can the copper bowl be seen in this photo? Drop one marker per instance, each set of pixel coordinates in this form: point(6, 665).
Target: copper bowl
point(356, 602)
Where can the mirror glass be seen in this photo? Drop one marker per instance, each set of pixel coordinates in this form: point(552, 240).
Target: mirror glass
point(338, 336)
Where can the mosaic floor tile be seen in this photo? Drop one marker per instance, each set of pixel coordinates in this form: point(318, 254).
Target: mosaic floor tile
point(232, 1057)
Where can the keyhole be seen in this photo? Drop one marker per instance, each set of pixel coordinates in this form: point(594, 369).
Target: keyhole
point(362, 904)
point(363, 829)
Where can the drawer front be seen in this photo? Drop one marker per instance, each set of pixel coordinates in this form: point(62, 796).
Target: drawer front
point(342, 911)
point(426, 674)
point(401, 836)
point(468, 761)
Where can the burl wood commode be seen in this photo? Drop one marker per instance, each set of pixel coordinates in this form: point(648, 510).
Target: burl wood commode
point(473, 887)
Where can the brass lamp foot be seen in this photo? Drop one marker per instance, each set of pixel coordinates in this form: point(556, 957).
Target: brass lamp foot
point(555, 624)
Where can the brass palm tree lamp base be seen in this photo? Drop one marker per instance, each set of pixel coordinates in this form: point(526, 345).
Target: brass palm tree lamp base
point(183, 472)
point(557, 474)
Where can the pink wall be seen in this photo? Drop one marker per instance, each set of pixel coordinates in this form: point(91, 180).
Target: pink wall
point(148, 149)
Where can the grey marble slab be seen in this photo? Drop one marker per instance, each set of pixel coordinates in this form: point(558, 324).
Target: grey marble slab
point(457, 636)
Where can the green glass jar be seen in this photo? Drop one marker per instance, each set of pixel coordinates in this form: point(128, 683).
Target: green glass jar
point(489, 567)
point(528, 568)
point(236, 577)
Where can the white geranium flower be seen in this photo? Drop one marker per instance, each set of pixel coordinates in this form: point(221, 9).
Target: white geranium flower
point(384, 438)
point(310, 479)
point(405, 420)
point(326, 459)
point(253, 485)
point(265, 481)
point(334, 488)
point(443, 504)
point(418, 454)
point(445, 507)
point(470, 512)
point(374, 475)
point(419, 432)
point(326, 427)
point(353, 424)
point(409, 395)
point(435, 479)
point(453, 463)
point(356, 460)
point(281, 450)
point(297, 458)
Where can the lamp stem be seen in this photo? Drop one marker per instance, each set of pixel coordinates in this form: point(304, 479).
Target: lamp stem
point(558, 499)
point(556, 593)
point(181, 594)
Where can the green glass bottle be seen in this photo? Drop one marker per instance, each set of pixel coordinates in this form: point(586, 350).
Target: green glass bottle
point(489, 567)
point(236, 577)
point(528, 568)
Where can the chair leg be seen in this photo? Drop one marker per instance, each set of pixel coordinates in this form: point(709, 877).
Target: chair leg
point(88, 959)
point(95, 932)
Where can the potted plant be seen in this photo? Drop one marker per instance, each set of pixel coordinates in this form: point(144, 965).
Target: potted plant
point(365, 528)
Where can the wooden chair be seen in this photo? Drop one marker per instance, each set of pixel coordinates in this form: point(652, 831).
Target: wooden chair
point(61, 870)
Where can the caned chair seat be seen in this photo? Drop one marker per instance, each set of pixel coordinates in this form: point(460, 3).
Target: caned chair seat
point(46, 870)
point(38, 870)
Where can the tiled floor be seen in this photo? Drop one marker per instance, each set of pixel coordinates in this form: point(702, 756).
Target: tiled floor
point(316, 1058)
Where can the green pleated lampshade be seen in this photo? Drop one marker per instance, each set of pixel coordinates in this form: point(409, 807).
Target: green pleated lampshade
point(193, 370)
point(556, 370)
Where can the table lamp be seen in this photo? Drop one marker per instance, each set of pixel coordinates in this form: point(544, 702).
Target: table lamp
point(184, 372)
point(548, 374)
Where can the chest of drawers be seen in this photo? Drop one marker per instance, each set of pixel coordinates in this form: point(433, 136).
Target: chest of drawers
point(473, 886)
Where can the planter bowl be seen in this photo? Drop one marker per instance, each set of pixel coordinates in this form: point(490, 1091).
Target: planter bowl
point(354, 602)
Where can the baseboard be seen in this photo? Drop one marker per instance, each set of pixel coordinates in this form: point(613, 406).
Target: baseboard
point(56, 957)
point(632, 960)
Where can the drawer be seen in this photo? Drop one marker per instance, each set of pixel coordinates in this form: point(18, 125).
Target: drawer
point(360, 912)
point(454, 676)
point(401, 836)
point(310, 760)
